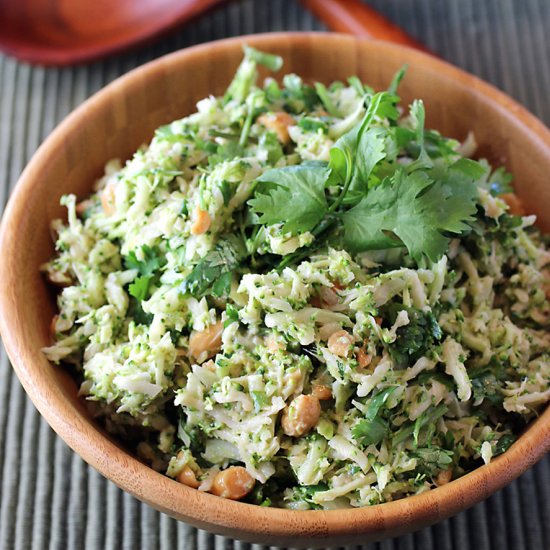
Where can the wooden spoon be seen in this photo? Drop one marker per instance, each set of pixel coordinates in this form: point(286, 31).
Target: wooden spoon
point(355, 17)
point(63, 32)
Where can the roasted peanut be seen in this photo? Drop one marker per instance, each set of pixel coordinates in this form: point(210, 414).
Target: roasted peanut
point(201, 223)
point(208, 341)
point(328, 297)
point(515, 206)
point(321, 392)
point(233, 483)
point(301, 415)
point(187, 477)
point(279, 123)
point(363, 358)
point(82, 206)
point(339, 343)
point(444, 477)
point(108, 199)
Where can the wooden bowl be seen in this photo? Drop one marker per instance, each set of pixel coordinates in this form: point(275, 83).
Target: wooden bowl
point(122, 116)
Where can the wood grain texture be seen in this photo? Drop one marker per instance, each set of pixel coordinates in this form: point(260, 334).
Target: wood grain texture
point(63, 32)
point(113, 124)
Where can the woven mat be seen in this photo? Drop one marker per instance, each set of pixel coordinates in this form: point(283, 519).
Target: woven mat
point(49, 498)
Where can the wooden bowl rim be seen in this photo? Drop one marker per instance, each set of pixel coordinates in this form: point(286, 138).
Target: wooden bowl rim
point(199, 508)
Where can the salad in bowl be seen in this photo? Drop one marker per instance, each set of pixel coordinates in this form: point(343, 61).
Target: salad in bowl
point(299, 296)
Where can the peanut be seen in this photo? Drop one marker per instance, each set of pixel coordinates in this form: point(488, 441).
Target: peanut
point(208, 341)
point(233, 483)
point(202, 222)
point(444, 477)
point(82, 206)
point(321, 392)
point(279, 123)
point(187, 477)
point(301, 415)
point(363, 358)
point(339, 343)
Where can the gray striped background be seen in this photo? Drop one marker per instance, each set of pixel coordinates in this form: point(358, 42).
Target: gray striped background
point(50, 499)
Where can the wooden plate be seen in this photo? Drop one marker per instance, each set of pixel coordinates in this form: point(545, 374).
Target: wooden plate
point(122, 116)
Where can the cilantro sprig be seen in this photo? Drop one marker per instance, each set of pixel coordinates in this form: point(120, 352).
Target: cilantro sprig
point(302, 187)
point(147, 268)
point(215, 271)
point(379, 202)
point(389, 183)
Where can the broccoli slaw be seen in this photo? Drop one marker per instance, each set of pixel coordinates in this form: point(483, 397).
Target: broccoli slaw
point(299, 296)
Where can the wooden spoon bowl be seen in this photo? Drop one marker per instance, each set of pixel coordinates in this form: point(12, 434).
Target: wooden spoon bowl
point(122, 116)
point(62, 32)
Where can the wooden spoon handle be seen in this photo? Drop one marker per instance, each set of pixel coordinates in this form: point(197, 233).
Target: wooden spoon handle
point(355, 17)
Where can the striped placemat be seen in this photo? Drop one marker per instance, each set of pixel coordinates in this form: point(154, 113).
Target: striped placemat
point(49, 498)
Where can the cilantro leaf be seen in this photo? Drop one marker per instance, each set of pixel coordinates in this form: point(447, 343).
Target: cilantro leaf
point(415, 339)
point(150, 263)
point(370, 432)
point(372, 429)
point(139, 288)
point(355, 154)
point(433, 458)
point(488, 382)
point(370, 151)
point(222, 286)
point(313, 125)
point(232, 315)
point(215, 268)
point(414, 211)
point(272, 147)
point(135, 311)
point(293, 195)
